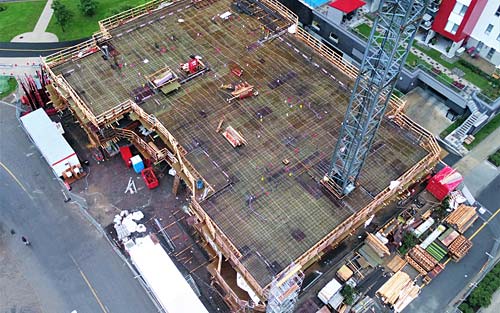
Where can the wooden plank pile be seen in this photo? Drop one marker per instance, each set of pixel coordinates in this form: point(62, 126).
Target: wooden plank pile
point(344, 273)
point(459, 248)
point(389, 292)
point(377, 245)
point(425, 261)
point(435, 272)
point(396, 263)
point(462, 218)
point(399, 291)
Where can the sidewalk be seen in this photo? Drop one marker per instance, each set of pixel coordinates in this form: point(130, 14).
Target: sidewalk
point(39, 33)
point(478, 172)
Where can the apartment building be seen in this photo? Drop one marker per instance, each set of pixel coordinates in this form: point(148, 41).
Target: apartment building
point(486, 34)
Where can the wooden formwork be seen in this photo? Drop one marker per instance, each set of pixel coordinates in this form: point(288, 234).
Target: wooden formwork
point(282, 10)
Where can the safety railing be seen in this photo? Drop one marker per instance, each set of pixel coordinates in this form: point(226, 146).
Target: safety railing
point(121, 18)
point(282, 10)
point(192, 175)
point(80, 50)
point(85, 110)
point(227, 247)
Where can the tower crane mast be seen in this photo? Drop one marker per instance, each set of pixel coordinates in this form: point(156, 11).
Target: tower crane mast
point(390, 40)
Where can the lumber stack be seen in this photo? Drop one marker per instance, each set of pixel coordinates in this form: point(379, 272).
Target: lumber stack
point(344, 273)
point(435, 271)
point(462, 218)
point(407, 295)
point(459, 248)
point(396, 263)
point(415, 265)
point(423, 258)
point(377, 245)
point(389, 292)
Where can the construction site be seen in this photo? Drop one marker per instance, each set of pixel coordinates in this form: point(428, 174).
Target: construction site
point(246, 108)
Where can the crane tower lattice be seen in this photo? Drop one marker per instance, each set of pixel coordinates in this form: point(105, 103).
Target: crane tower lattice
point(392, 35)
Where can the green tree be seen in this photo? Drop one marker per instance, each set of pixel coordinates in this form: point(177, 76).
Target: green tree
point(480, 297)
point(62, 13)
point(348, 293)
point(88, 7)
point(465, 308)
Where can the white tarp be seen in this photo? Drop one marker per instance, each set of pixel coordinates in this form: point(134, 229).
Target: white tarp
point(329, 291)
point(163, 278)
point(54, 148)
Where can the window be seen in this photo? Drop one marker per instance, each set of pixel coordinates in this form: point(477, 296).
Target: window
point(463, 10)
point(479, 46)
point(334, 38)
point(498, 37)
point(489, 29)
point(497, 13)
point(315, 25)
point(451, 27)
point(490, 53)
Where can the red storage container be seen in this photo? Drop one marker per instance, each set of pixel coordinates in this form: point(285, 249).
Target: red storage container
point(126, 155)
point(149, 177)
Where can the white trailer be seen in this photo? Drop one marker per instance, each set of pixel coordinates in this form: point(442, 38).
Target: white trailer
point(167, 284)
point(51, 143)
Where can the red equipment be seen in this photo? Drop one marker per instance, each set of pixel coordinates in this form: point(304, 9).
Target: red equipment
point(126, 155)
point(193, 65)
point(444, 182)
point(149, 178)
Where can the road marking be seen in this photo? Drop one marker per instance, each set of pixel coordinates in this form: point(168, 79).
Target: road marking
point(103, 308)
point(15, 178)
point(484, 224)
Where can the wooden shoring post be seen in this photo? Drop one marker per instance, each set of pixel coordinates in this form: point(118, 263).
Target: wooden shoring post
point(219, 263)
point(175, 186)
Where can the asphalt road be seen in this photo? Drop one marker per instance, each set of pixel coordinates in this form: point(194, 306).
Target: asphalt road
point(437, 296)
point(70, 266)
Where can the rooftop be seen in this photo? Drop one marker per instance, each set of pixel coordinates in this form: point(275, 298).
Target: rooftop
point(271, 211)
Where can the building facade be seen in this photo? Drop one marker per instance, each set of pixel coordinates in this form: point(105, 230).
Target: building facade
point(486, 34)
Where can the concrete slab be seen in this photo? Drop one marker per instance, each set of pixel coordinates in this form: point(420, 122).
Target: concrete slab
point(427, 110)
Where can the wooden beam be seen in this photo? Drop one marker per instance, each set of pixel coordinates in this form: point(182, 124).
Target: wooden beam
point(175, 187)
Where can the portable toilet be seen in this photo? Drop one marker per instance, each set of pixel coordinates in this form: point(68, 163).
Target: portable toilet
point(137, 163)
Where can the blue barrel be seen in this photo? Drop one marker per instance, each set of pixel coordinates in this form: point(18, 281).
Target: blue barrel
point(199, 184)
point(137, 163)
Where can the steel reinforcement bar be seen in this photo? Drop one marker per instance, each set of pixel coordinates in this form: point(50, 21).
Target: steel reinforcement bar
point(336, 59)
point(428, 142)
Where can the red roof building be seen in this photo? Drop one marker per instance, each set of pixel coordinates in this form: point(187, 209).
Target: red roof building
point(347, 6)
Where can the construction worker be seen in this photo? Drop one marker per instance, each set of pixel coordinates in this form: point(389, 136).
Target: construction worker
point(25, 241)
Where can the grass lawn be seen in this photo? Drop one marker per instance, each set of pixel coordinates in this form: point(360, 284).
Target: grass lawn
point(19, 17)
point(364, 30)
point(453, 126)
point(7, 86)
point(478, 80)
point(484, 132)
point(495, 158)
point(81, 26)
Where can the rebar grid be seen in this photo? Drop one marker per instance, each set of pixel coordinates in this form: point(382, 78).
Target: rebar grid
point(271, 211)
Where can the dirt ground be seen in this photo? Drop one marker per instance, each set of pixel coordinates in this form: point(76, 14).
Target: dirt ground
point(102, 192)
